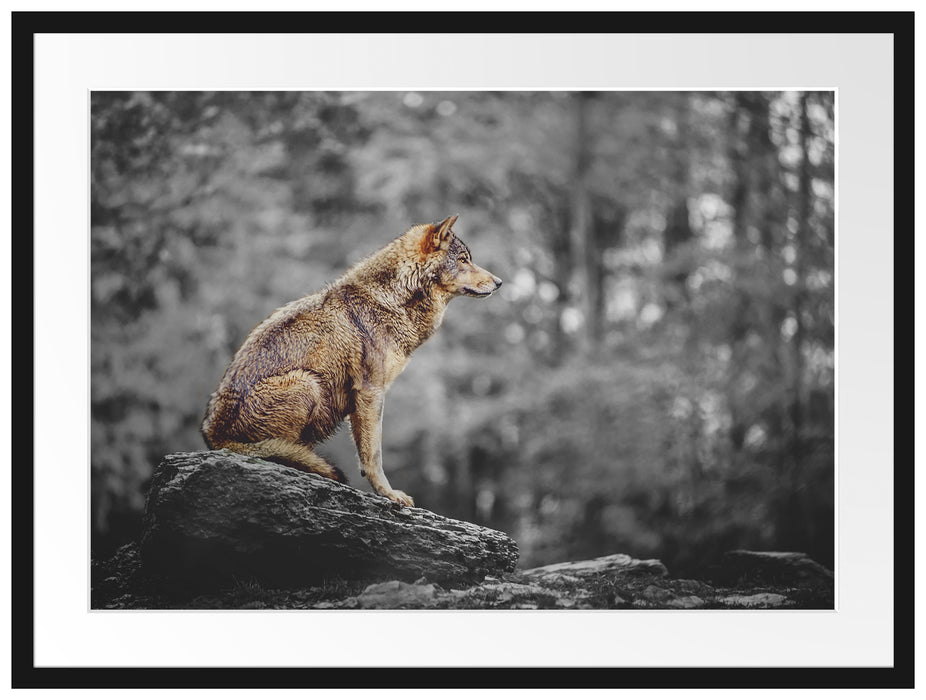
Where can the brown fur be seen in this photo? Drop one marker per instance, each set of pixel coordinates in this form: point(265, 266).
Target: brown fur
point(333, 354)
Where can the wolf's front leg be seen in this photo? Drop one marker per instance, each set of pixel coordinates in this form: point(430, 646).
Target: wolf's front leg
point(366, 424)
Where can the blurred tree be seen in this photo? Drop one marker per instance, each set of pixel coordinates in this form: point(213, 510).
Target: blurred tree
point(678, 233)
point(585, 280)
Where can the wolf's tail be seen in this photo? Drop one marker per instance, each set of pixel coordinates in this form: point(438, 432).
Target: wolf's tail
point(290, 454)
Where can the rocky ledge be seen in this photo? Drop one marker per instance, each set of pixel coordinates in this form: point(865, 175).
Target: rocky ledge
point(227, 531)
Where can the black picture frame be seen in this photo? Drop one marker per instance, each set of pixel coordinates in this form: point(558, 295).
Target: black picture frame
point(25, 25)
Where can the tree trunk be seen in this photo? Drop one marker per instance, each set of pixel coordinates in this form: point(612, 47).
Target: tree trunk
point(800, 245)
point(585, 283)
point(678, 232)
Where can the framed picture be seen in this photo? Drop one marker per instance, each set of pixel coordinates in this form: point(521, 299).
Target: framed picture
point(691, 319)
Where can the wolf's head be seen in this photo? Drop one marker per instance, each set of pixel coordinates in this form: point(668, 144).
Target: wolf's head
point(450, 264)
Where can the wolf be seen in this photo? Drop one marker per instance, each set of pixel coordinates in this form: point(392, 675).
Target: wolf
point(333, 354)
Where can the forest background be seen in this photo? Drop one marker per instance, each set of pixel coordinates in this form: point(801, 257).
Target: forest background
point(655, 377)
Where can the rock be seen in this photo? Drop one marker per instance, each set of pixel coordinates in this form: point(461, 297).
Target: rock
point(118, 584)
point(394, 595)
point(656, 594)
point(686, 602)
point(225, 531)
point(509, 594)
point(659, 597)
point(692, 587)
point(757, 600)
point(610, 566)
point(214, 515)
point(774, 568)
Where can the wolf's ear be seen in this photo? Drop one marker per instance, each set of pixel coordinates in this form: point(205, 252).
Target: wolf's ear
point(438, 235)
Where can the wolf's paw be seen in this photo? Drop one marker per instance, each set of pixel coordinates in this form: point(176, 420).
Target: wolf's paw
point(400, 497)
